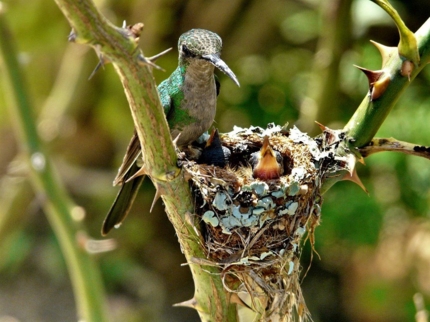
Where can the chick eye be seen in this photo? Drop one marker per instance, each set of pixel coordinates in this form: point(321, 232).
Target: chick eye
point(187, 52)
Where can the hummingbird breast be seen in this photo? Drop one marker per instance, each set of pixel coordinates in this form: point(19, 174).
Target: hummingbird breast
point(199, 101)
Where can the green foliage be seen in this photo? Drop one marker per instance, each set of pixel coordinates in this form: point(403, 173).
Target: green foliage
point(273, 47)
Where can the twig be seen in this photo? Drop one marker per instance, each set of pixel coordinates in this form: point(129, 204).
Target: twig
point(391, 144)
point(85, 277)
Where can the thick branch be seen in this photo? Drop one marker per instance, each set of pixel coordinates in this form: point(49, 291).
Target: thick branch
point(210, 299)
point(117, 45)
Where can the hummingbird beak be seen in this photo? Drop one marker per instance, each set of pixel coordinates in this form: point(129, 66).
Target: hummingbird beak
point(219, 63)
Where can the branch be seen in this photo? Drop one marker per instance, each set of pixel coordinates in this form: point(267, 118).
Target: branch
point(85, 277)
point(116, 44)
point(385, 88)
point(393, 145)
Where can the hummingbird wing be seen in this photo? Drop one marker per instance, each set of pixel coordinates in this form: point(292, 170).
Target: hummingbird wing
point(129, 189)
point(217, 84)
point(131, 155)
point(134, 150)
point(123, 201)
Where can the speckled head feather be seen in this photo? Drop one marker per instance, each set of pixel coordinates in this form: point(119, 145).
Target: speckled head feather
point(198, 42)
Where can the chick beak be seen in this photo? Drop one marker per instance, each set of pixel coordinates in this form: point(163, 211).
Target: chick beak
point(267, 167)
point(214, 152)
point(211, 139)
point(215, 60)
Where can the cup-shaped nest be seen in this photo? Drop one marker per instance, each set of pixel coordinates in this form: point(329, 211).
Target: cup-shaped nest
point(252, 228)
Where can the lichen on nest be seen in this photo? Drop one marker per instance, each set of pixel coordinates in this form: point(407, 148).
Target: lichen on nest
point(251, 228)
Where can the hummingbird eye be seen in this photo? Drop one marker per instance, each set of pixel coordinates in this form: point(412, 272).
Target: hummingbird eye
point(187, 52)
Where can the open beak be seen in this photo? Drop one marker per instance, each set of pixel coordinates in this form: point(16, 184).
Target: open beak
point(268, 166)
point(219, 63)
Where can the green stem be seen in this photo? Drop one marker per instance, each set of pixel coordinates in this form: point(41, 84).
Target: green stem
point(407, 44)
point(370, 115)
point(210, 299)
point(85, 276)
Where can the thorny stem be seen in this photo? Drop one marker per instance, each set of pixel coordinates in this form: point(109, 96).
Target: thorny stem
point(210, 299)
point(370, 115)
point(407, 44)
point(85, 276)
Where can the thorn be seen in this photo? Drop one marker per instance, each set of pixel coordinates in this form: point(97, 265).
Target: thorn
point(361, 160)
point(140, 172)
point(385, 51)
point(356, 179)
point(75, 38)
point(72, 36)
point(378, 81)
point(192, 303)
point(101, 63)
point(142, 60)
point(124, 24)
point(380, 87)
point(329, 135)
point(372, 75)
point(407, 69)
point(284, 128)
point(322, 127)
point(350, 161)
point(156, 197)
point(175, 141)
point(155, 57)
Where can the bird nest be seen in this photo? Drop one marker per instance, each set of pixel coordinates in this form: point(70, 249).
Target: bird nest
point(253, 229)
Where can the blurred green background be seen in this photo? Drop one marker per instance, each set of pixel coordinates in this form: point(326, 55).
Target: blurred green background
point(294, 60)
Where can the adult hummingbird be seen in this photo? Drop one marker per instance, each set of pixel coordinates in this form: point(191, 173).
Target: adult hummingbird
point(188, 97)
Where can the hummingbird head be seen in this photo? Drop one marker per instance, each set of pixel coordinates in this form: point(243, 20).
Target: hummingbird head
point(205, 45)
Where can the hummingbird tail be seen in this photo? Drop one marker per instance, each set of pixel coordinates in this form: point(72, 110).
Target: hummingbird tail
point(121, 205)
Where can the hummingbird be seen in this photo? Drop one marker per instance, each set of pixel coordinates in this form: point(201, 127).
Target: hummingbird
point(267, 164)
point(188, 97)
